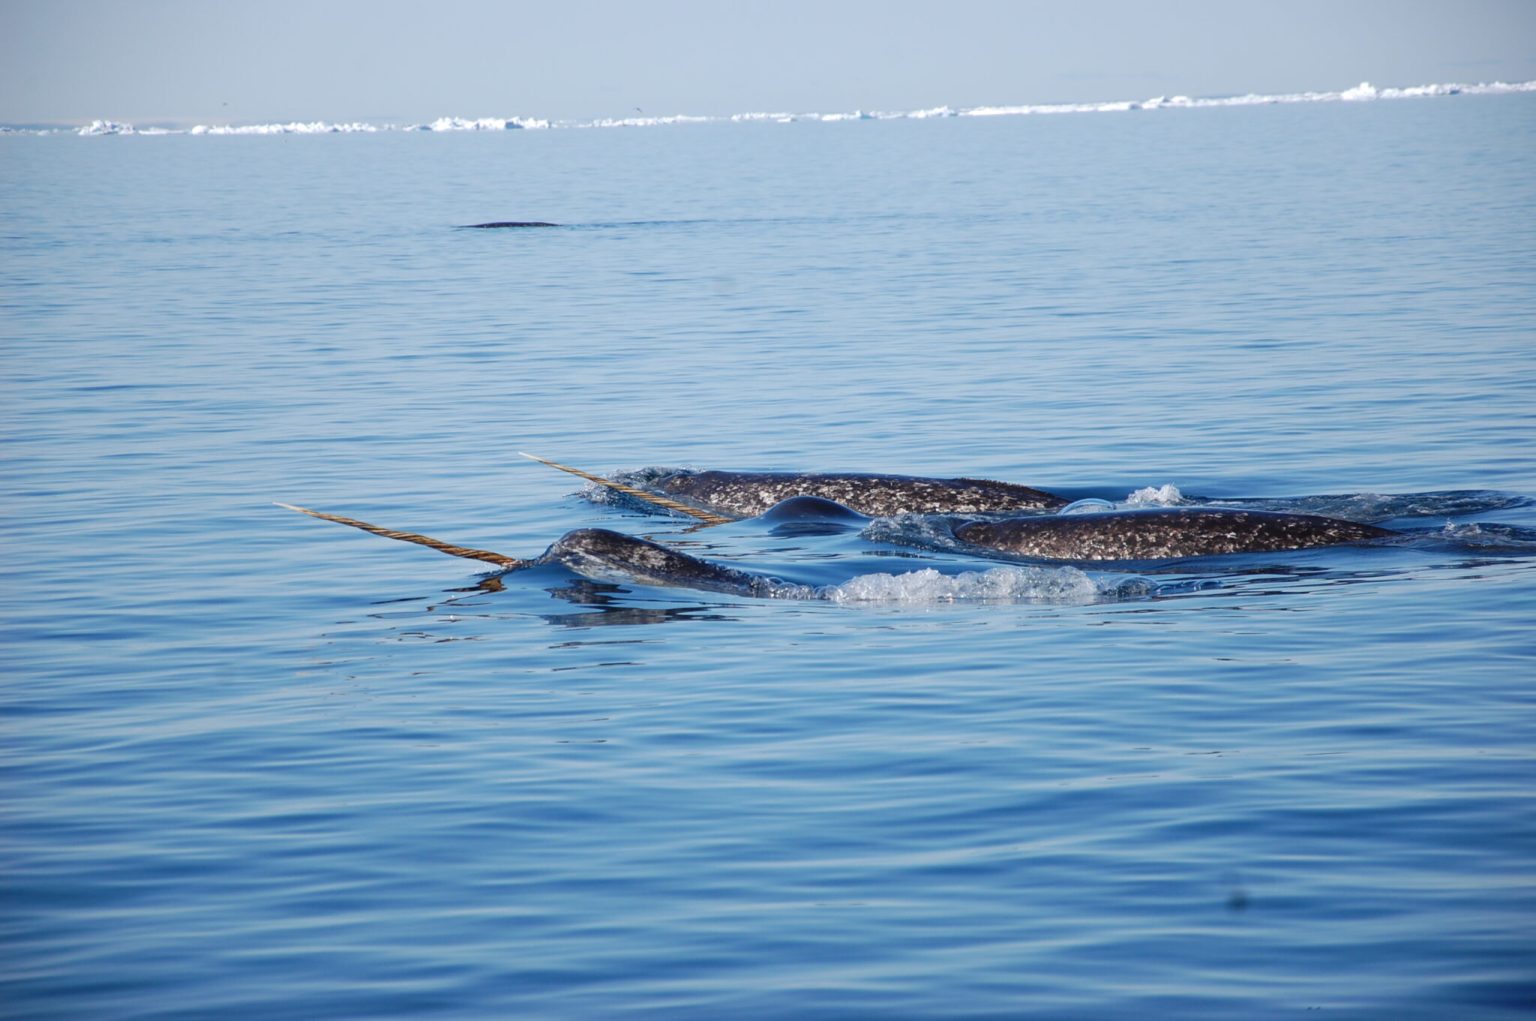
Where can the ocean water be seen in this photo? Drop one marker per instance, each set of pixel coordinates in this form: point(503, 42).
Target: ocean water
point(257, 765)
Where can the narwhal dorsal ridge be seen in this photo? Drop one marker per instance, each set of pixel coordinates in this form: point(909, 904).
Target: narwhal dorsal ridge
point(1163, 534)
point(748, 494)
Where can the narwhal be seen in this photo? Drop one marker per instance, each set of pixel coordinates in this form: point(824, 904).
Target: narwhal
point(593, 553)
point(715, 497)
point(1128, 535)
point(1163, 533)
point(719, 496)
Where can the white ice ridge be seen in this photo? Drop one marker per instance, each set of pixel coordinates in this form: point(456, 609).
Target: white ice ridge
point(292, 128)
point(1364, 92)
point(479, 124)
point(105, 127)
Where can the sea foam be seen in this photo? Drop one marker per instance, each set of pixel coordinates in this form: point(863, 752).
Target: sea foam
point(928, 587)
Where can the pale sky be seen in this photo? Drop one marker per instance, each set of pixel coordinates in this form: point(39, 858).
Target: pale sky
point(215, 61)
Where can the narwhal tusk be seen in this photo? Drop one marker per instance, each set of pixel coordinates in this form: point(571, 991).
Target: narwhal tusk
point(639, 494)
point(421, 540)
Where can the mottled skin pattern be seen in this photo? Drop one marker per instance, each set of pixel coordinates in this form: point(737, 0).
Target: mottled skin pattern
point(748, 494)
point(1158, 534)
point(600, 553)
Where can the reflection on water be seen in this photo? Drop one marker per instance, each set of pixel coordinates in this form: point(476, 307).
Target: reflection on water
point(606, 608)
point(613, 616)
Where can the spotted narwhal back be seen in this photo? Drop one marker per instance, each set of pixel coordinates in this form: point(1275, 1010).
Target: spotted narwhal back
point(1159, 534)
point(748, 494)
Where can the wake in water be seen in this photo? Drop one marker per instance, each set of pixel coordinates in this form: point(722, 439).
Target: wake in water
point(1364, 92)
point(930, 586)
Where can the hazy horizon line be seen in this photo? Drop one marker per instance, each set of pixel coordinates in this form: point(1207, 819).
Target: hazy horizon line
point(1364, 91)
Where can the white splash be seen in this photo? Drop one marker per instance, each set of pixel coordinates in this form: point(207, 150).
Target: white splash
point(999, 584)
point(1166, 495)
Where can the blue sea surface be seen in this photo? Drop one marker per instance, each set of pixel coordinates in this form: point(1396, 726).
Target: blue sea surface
point(260, 766)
